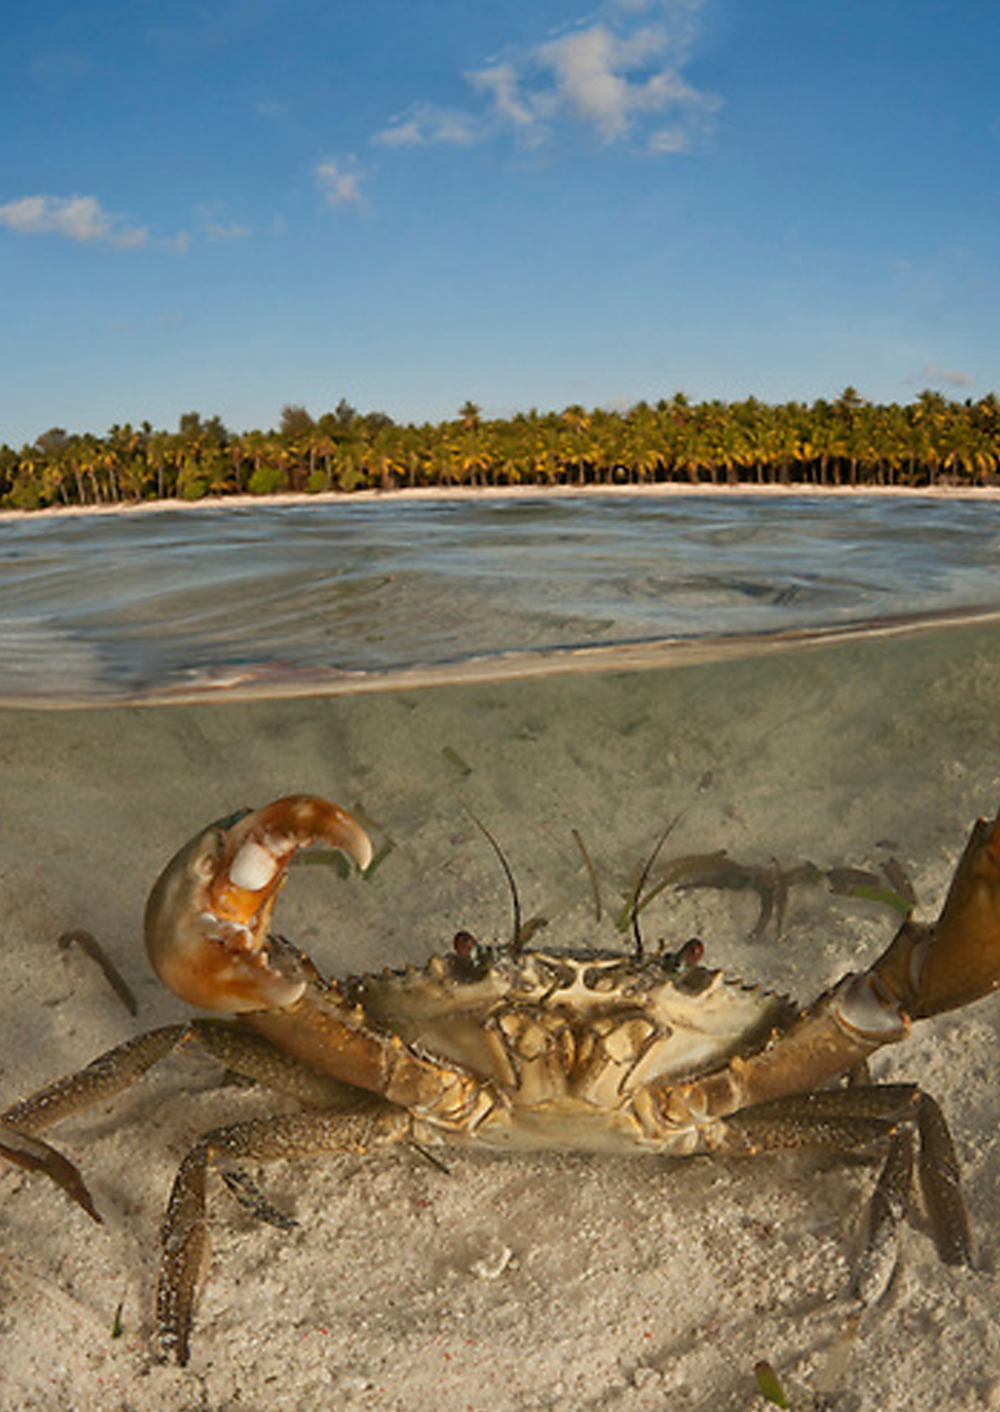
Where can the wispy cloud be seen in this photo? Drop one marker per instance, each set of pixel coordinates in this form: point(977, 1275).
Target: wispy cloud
point(79, 218)
point(339, 182)
point(216, 224)
point(618, 77)
point(425, 124)
point(226, 230)
point(949, 377)
point(57, 70)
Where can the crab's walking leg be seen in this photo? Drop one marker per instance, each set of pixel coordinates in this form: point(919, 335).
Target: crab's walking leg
point(858, 1119)
point(104, 1077)
point(887, 1209)
point(924, 971)
point(36, 1156)
point(254, 1057)
point(940, 1187)
point(941, 1184)
point(108, 1075)
point(185, 1228)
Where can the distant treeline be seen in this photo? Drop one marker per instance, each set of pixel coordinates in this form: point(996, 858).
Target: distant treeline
point(848, 441)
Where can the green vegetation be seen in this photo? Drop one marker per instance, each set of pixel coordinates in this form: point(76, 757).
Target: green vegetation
point(768, 1386)
point(931, 441)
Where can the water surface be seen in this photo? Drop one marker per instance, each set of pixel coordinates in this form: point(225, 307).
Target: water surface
point(106, 607)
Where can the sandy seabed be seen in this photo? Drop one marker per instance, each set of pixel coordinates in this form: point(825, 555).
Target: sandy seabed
point(504, 1285)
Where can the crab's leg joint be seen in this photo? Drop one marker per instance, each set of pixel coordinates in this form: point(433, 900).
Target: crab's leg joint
point(924, 971)
point(956, 960)
point(208, 915)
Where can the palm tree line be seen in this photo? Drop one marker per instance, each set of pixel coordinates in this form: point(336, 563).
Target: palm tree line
point(847, 441)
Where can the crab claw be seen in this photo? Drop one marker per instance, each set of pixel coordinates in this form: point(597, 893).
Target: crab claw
point(957, 959)
point(208, 914)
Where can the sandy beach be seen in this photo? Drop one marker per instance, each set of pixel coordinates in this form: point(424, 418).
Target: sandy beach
point(503, 1285)
point(665, 489)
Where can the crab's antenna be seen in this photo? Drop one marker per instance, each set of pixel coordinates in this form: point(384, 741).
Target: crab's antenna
point(643, 879)
point(516, 941)
point(428, 1156)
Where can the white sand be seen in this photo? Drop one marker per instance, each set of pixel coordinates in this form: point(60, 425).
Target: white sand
point(667, 489)
point(515, 1284)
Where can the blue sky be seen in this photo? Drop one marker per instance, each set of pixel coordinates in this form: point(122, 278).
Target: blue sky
point(229, 205)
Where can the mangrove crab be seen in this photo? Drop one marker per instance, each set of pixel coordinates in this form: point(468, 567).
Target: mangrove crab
point(518, 1049)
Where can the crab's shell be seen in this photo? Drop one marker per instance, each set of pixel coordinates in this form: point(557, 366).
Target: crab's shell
point(568, 1039)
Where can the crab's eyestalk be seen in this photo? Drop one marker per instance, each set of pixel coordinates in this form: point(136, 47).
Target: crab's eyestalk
point(957, 960)
point(208, 914)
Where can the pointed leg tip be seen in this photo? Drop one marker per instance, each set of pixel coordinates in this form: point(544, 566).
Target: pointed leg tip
point(993, 841)
point(173, 1346)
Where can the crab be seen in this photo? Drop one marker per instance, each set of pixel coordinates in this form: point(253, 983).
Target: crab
point(516, 1049)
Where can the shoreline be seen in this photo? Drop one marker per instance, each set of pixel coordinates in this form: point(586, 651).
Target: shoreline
point(250, 684)
point(659, 490)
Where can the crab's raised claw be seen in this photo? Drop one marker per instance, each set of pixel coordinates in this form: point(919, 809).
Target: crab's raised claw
point(208, 914)
point(956, 960)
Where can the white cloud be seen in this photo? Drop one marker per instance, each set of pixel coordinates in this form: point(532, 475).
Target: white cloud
point(221, 230)
point(216, 224)
point(949, 376)
point(671, 139)
point(501, 83)
point(591, 76)
point(339, 184)
point(407, 131)
point(426, 124)
point(80, 218)
point(617, 77)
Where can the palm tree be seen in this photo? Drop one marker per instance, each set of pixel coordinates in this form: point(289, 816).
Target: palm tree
point(848, 440)
point(470, 415)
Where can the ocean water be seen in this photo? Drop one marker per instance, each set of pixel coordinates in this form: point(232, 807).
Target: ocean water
point(796, 678)
point(326, 597)
point(788, 681)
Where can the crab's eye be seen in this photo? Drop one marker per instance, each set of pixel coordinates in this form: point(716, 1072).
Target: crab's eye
point(690, 953)
point(471, 960)
point(464, 945)
point(686, 960)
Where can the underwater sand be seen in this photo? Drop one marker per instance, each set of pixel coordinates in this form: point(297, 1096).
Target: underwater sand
point(507, 1284)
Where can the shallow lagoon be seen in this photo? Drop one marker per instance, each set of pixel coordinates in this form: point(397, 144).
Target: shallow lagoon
point(162, 602)
point(526, 1283)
